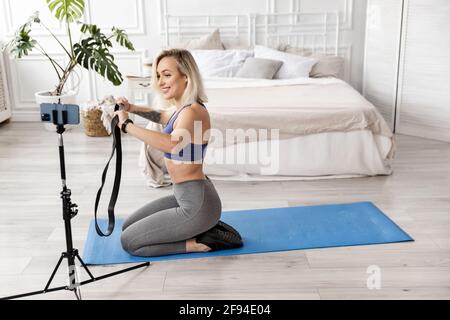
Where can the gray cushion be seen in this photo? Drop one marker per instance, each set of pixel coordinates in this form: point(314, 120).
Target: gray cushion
point(258, 68)
point(326, 66)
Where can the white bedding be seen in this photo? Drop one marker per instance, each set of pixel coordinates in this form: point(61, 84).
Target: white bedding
point(326, 130)
point(222, 82)
point(293, 106)
point(317, 156)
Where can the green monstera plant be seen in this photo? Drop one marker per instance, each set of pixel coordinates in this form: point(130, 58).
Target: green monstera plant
point(91, 51)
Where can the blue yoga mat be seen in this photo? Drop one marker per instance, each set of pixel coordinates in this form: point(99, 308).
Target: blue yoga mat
point(274, 229)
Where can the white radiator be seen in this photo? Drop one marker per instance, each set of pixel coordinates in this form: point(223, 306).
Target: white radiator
point(5, 107)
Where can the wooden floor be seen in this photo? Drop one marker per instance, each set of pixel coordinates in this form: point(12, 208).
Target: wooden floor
point(416, 197)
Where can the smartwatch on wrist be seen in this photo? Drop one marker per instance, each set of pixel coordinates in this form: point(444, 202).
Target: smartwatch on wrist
point(124, 125)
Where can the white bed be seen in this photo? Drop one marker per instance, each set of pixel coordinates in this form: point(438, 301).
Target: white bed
point(359, 153)
point(324, 128)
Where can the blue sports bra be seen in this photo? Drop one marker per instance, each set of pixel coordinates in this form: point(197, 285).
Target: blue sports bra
point(191, 152)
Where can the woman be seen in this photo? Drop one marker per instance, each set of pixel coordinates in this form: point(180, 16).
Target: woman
point(188, 220)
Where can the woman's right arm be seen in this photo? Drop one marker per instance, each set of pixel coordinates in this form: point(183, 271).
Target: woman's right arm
point(148, 113)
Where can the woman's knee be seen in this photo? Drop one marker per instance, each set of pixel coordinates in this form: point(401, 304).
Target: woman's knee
point(149, 209)
point(132, 248)
point(126, 224)
point(126, 239)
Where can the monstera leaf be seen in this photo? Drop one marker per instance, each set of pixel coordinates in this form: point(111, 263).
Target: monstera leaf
point(122, 38)
point(66, 10)
point(96, 34)
point(93, 56)
point(22, 43)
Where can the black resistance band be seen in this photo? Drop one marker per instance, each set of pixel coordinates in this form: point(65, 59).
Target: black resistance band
point(116, 148)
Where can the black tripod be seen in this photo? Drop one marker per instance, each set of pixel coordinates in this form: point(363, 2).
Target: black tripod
point(70, 212)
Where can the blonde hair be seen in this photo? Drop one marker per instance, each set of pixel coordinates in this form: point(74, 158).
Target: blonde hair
point(194, 91)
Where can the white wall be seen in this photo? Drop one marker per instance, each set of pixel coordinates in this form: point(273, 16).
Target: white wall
point(142, 20)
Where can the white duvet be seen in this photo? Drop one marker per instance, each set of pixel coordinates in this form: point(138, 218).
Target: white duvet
point(295, 107)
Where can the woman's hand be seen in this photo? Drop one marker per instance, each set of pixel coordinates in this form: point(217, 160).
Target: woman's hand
point(124, 104)
point(123, 115)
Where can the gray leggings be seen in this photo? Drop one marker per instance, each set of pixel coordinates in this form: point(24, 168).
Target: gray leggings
point(162, 226)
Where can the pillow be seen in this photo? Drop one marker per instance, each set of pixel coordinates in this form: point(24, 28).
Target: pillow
point(210, 41)
point(220, 63)
point(327, 65)
point(258, 68)
point(294, 66)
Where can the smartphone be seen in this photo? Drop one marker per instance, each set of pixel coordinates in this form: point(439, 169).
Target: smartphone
point(60, 113)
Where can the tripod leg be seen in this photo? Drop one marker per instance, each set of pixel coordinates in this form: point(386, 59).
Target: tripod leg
point(145, 264)
point(77, 294)
point(54, 272)
point(77, 287)
point(84, 266)
point(46, 287)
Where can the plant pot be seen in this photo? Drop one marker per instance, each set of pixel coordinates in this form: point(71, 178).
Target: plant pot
point(46, 97)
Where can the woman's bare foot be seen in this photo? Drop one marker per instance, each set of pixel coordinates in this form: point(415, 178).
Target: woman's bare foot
point(193, 246)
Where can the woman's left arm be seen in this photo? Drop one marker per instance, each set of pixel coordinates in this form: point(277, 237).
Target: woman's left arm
point(159, 140)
